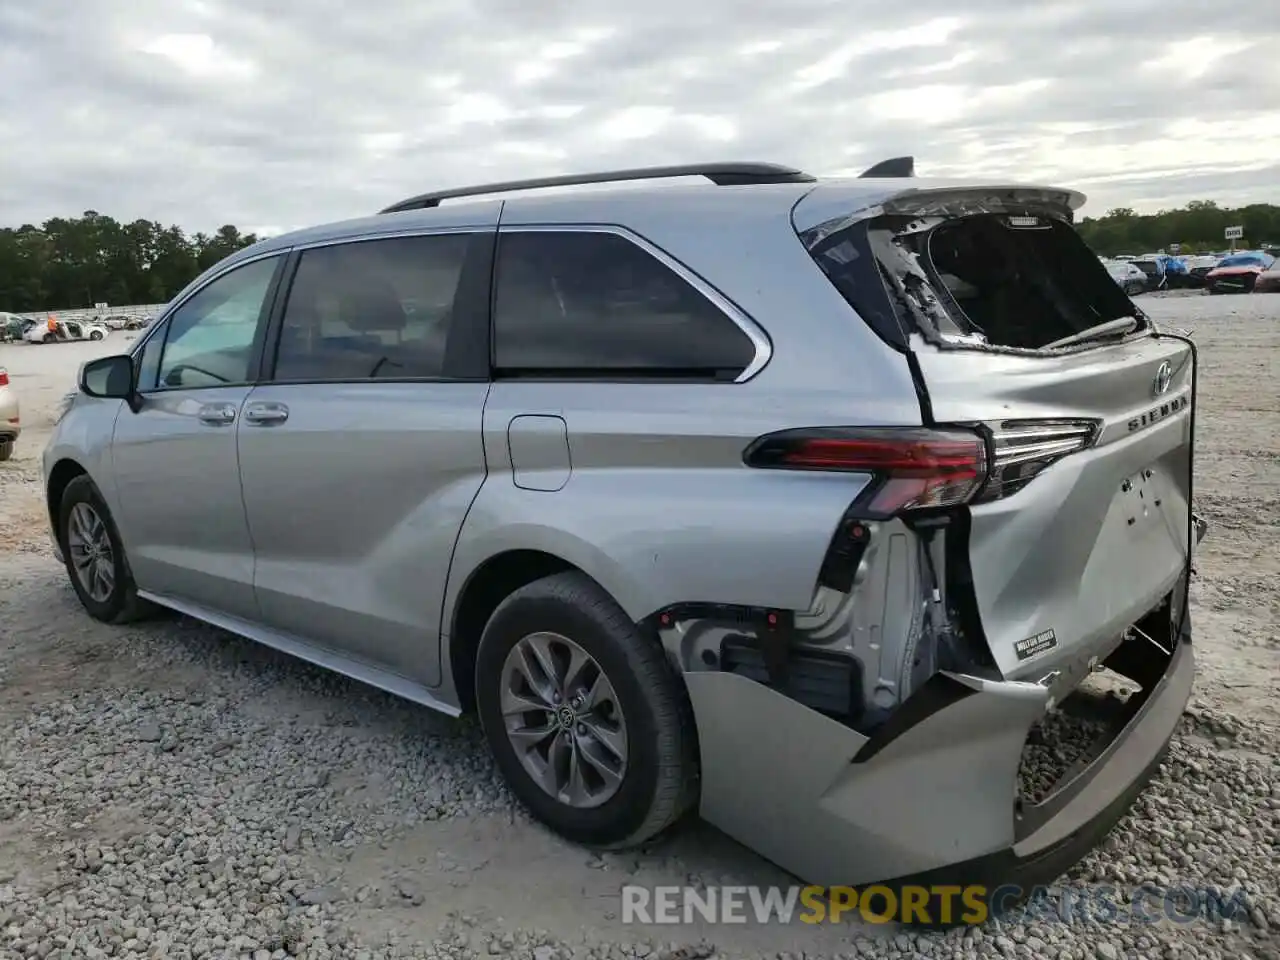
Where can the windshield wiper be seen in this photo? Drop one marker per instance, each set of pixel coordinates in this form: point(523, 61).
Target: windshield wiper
point(1112, 328)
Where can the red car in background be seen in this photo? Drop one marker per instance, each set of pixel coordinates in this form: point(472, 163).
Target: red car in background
point(1238, 272)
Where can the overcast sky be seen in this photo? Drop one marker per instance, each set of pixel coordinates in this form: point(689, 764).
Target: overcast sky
point(282, 113)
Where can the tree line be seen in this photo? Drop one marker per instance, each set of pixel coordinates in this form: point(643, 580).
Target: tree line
point(77, 262)
point(1197, 228)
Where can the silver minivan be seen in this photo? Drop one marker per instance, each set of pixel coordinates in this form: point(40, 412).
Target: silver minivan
point(796, 502)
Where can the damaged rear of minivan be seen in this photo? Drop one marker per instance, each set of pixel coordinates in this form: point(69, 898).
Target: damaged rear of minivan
point(1030, 545)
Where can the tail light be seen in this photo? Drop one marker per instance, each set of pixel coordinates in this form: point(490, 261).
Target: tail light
point(1023, 448)
point(4, 377)
point(912, 468)
point(920, 468)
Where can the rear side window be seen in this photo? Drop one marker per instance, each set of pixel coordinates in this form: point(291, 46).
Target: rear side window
point(593, 304)
point(371, 309)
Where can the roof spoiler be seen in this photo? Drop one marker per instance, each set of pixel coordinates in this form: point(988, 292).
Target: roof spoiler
point(896, 167)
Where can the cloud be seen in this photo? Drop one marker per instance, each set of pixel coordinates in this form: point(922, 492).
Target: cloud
point(203, 112)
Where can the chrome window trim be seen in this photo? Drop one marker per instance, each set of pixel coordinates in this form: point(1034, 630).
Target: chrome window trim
point(759, 338)
point(419, 231)
point(754, 332)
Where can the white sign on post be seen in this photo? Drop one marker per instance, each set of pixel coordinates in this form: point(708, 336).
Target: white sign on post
point(100, 307)
point(1233, 233)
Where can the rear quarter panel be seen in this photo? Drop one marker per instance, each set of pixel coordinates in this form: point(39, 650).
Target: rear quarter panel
point(659, 507)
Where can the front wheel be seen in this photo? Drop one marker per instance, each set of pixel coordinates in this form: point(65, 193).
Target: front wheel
point(95, 557)
point(49, 338)
point(588, 722)
point(95, 335)
point(6, 449)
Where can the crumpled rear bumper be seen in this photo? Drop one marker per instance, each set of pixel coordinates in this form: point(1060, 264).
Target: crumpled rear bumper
point(932, 797)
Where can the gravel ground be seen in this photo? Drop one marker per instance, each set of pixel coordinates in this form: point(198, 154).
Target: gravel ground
point(167, 790)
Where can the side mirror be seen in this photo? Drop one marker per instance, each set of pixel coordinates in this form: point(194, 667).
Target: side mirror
point(109, 378)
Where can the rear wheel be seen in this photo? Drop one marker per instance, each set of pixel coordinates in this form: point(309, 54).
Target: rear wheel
point(587, 720)
point(95, 557)
point(49, 338)
point(95, 335)
point(6, 449)
point(1133, 288)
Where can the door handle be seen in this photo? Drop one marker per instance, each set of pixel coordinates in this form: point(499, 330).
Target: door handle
point(217, 414)
point(265, 414)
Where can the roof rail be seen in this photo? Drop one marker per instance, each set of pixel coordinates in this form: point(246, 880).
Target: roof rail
point(895, 167)
point(721, 174)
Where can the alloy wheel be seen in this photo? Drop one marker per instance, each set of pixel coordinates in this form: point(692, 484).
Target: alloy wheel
point(92, 557)
point(563, 719)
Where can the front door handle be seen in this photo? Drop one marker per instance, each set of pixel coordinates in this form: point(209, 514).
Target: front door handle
point(265, 414)
point(217, 414)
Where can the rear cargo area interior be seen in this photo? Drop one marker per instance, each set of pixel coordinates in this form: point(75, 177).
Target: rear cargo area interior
point(1020, 281)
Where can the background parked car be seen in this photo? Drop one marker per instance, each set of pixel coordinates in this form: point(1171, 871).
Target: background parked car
point(1238, 273)
point(121, 321)
point(1154, 271)
point(1128, 276)
point(65, 330)
point(1268, 281)
point(10, 327)
point(10, 426)
point(1198, 266)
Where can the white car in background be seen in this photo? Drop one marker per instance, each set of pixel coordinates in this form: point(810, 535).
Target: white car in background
point(1127, 275)
point(66, 330)
point(1198, 267)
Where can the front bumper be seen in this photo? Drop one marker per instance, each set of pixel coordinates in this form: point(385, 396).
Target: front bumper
point(1232, 282)
point(932, 797)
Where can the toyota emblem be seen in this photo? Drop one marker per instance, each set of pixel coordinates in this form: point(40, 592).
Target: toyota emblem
point(1164, 377)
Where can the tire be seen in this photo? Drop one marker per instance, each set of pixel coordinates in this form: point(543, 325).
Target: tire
point(658, 783)
point(49, 338)
point(121, 603)
point(1133, 289)
point(6, 449)
point(95, 335)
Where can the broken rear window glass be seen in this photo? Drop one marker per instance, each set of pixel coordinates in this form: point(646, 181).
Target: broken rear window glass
point(994, 279)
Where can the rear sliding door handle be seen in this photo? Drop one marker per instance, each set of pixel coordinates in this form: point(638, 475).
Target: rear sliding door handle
point(217, 414)
point(265, 414)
